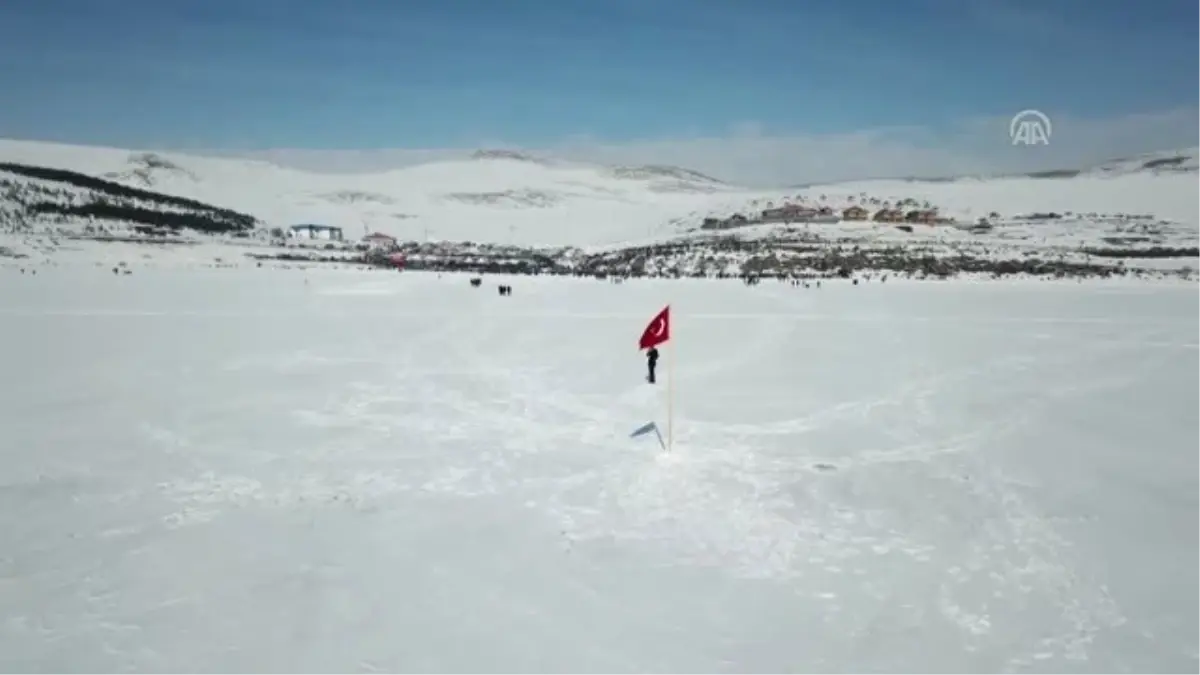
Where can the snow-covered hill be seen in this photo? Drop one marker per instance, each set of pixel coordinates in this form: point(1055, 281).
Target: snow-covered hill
point(37, 199)
point(1174, 161)
point(499, 196)
point(511, 197)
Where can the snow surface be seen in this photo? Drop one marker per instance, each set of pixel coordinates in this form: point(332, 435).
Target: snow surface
point(254, 470)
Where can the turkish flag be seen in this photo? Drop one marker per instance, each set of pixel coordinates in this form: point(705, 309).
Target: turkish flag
point(659, 330)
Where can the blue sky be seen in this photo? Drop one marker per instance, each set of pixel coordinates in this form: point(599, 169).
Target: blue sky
point(253, 75)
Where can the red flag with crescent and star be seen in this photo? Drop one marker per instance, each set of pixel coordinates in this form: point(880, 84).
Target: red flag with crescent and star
point(659, 330)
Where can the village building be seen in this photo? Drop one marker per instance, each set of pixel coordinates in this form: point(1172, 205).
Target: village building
point(855, 213)
point(788, 213)
point(926, 216)
point(378, 241)
point(314, 231)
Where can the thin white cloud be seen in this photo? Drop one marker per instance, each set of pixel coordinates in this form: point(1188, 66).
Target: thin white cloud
point(747, 155)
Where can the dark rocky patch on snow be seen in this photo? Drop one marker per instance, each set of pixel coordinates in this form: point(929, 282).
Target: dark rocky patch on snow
point(357, 197)
point(536, 199)
point(146, 168)
point(510, 155)
point(661, 171)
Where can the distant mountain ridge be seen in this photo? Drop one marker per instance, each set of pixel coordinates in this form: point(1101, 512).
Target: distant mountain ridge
point(1185, 160)
point(506, 210)
point(1182, 160)
point(492, 195)
point(510, 196)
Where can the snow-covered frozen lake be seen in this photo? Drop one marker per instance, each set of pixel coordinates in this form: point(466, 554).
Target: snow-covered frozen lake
point(236, 470)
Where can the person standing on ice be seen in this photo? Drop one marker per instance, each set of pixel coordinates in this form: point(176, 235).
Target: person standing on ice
point(658, 332)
